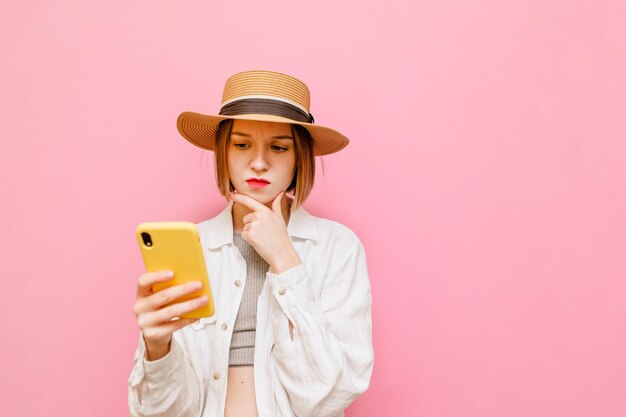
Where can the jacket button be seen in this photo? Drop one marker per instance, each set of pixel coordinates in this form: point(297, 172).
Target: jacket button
point(216, 376)
point(224, 326)
point(281, 291)
point(237, 283)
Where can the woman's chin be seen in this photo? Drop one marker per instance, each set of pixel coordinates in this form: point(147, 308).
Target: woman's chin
point(258, 196)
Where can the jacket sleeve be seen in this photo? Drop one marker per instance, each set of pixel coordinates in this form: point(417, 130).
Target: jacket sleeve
point(164, 387)
point(329, 362)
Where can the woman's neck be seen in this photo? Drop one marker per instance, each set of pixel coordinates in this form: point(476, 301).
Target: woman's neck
point(240, 211)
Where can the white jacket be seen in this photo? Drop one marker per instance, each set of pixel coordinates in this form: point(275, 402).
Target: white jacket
point(319, 373)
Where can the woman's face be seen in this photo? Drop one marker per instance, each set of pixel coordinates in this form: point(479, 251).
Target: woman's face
point(261, 151)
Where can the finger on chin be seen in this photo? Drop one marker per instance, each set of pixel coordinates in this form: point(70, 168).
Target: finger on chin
point(247, 201)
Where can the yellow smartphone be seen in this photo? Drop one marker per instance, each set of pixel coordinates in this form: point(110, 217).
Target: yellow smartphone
point(175, 246)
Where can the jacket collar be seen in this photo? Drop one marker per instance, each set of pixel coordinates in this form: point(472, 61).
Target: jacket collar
point(301, 225)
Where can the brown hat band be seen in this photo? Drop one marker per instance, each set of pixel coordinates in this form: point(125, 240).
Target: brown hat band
point(266, 106)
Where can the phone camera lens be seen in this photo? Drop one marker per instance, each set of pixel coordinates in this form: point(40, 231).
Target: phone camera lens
point(147, 240)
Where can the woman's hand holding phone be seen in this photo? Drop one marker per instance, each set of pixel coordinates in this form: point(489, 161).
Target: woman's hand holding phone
point(155, 318)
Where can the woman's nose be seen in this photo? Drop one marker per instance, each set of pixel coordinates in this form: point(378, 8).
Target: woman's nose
point(259, 162)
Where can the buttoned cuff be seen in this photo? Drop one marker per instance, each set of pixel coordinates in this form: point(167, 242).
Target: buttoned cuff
point(290, 287)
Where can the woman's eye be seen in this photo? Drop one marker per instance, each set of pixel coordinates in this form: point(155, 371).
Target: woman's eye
point(279, 148)
point(240, 145)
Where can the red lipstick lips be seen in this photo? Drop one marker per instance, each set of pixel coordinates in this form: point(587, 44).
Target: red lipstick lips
point(257, 182)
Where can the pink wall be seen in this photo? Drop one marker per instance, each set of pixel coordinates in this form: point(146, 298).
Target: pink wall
point(485, 176)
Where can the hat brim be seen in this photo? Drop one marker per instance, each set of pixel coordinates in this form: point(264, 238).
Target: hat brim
point(200, 129)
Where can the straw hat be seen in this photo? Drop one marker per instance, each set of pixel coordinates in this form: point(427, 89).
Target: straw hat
point(263, 96)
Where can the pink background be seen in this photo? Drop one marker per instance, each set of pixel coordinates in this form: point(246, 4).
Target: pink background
point(485, 176)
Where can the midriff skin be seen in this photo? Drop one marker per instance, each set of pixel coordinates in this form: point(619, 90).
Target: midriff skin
point(240, 395)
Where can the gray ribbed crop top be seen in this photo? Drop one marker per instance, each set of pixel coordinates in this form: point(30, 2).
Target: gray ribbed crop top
point(244, 330)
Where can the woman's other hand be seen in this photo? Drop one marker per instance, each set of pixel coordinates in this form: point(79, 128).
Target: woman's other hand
point(155, 319)
point(266, 231)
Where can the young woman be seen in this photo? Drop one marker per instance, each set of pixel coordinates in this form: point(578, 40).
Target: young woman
point(291, 335)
